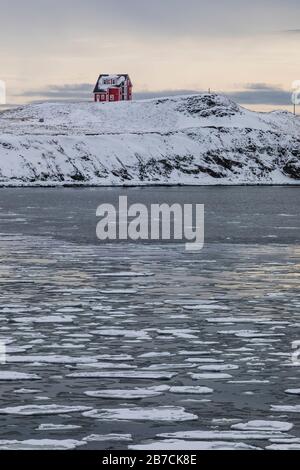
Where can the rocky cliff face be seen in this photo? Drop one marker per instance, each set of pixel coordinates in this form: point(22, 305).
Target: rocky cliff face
point(200, 139)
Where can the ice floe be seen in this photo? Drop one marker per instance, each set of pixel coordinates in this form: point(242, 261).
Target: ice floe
point(45, 359)
point(47, 319)
point(124, 394)
point(223, 435)
point(125, 274)
point(108, 438)
point(104, 365)
point(127, 345)
point(115, 357)
point(174, 444)
point(160, 413)
point(12, 376)
point(263, 425)
point(141, 374)
point(32, 410)
point(155, 354)
point(57, 427)
point(286, 409)
point(164, 366)
point(218, 367)
point(208, 376)
point(41, 444)
point(190, 390)
point(204, 360)
point(135, 334)
point(283, 446)
point(205, 307)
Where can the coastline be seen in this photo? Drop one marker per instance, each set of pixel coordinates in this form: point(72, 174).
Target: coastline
point(146, 185)
point(198, 140)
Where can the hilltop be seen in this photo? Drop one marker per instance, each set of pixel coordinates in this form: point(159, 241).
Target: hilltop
point(198, 139)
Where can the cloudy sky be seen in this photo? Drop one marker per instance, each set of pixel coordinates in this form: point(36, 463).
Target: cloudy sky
point(55, 49)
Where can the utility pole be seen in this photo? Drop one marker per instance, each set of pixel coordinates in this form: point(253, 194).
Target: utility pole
point(296, 95)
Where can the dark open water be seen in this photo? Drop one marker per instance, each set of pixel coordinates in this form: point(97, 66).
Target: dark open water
point(147, 345)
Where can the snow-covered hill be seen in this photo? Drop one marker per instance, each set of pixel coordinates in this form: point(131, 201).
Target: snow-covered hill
point(199, 139)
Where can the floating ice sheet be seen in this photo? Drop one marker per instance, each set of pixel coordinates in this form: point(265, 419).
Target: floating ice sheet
point(32, 410)
point(124, 394)
point(41, 444)
point(263, 425)
point(174, 444)
point(12, 376)
point(160, 413)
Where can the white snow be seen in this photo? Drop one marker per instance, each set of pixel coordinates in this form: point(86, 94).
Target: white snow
point(205, 139)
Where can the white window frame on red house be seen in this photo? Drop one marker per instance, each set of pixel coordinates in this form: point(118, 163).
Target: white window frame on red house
point(111, 97)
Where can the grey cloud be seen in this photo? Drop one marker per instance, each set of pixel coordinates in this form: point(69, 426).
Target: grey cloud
point(143, 95)
point(261, 86)
point(266, 95)
point(83, 91)
point(262, 97)
point(292, 32)
point(253, 93)
point(79, 91)
point(262, 93)
point(58, 18)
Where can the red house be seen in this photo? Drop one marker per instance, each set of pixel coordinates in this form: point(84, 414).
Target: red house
point(113, 88)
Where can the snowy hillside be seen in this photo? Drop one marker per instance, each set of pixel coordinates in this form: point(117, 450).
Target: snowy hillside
point(200, 139)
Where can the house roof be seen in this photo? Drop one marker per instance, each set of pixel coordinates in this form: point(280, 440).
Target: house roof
point(100, 86)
